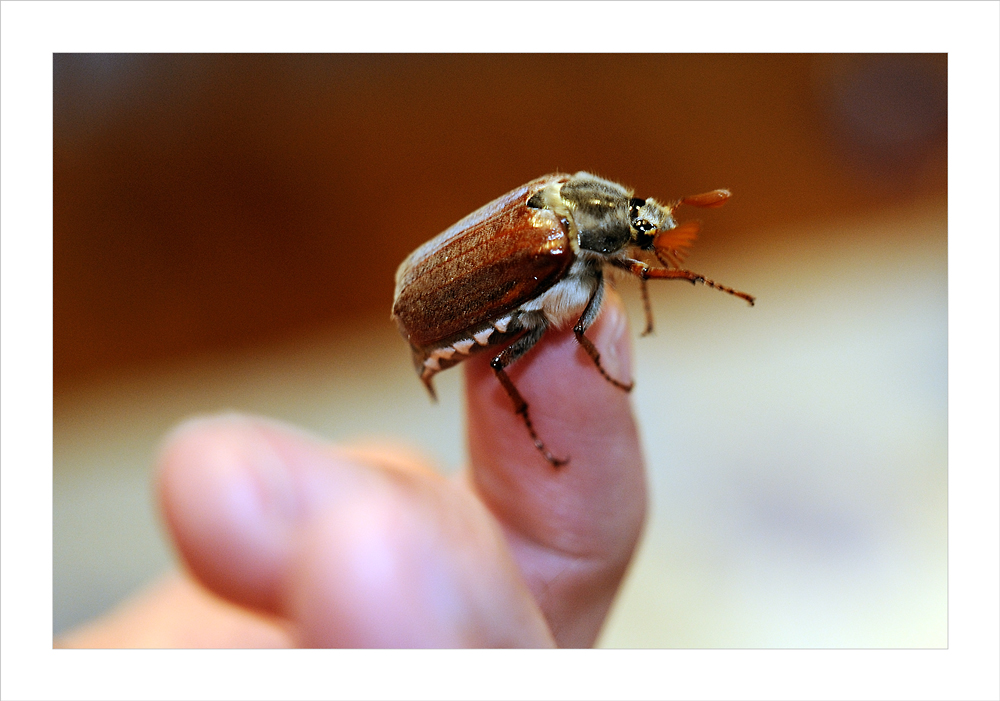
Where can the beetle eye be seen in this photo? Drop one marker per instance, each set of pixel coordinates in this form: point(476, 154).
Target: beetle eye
point(634, 205)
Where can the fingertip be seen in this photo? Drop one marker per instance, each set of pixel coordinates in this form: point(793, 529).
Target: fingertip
point(227, 498)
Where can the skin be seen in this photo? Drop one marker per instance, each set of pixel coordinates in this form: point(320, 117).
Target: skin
point(290, 541)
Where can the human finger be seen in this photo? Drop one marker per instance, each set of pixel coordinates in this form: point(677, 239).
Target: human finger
point(350, 553)
point(572, 529)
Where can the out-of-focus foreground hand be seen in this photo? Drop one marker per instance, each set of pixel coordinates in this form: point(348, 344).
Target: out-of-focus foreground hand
point(289, 541)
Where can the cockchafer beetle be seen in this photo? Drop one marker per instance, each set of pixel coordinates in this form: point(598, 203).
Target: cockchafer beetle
point(532, 259)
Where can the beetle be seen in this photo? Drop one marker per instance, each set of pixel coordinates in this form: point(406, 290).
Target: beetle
point(535, 259)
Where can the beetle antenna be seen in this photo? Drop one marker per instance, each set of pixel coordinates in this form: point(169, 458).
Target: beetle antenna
point(675, 243)
point(707, 200)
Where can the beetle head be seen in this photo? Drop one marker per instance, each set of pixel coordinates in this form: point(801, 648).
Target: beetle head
point(648, 219)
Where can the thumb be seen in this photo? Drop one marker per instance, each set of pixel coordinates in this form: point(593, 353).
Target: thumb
point(350, 550)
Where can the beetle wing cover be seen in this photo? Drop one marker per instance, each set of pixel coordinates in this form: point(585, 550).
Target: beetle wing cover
point(483, 267)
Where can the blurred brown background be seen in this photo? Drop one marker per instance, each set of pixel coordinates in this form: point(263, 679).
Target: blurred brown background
point(213, 201)
point(227, 230)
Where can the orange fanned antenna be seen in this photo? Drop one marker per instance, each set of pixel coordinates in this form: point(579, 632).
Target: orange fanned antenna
point(671, 246)
point(715, 198)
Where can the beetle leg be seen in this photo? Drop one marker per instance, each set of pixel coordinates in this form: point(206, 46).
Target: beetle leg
point(643, 271)
point(586, 319)
point(646, 306)
point(508, 355)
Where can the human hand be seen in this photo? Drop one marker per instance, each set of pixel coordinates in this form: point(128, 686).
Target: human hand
point(291, 541)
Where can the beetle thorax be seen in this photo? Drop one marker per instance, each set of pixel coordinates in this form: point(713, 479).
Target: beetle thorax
point(600, 212)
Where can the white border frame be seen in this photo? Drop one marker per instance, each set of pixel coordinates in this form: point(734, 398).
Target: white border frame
point(32, 32)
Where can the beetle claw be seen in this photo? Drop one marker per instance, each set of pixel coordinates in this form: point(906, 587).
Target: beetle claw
point(552, 459)
point(430, 387)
